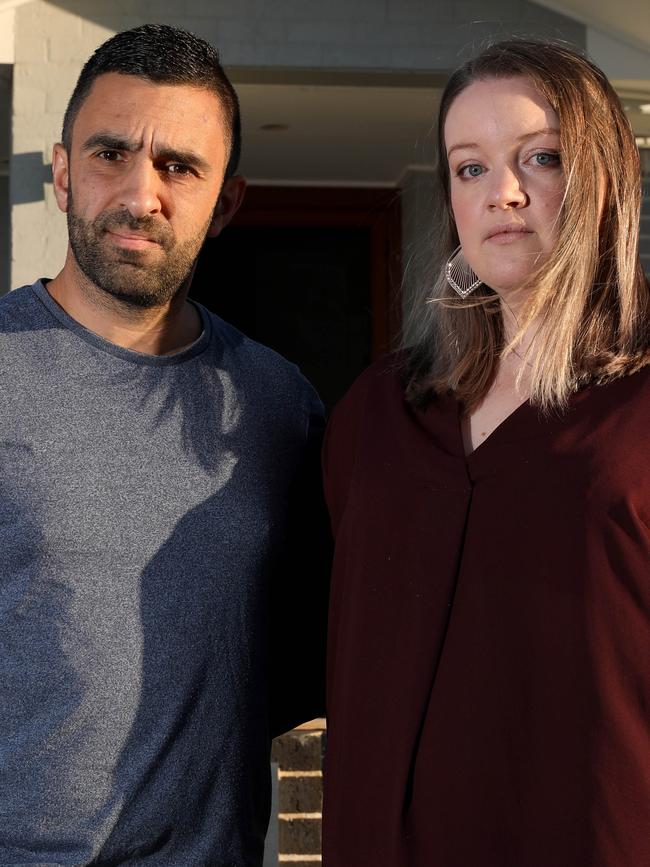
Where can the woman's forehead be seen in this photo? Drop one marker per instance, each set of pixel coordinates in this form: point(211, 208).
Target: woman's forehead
point(498, 107)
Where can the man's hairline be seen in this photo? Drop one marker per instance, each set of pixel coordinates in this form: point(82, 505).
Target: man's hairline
point(67, 144)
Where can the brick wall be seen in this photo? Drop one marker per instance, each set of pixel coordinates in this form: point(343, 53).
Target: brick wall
point(299, 755)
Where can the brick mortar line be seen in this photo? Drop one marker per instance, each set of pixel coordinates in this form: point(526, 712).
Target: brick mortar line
point(316, 859)
point(295, 774)
point(290, 817)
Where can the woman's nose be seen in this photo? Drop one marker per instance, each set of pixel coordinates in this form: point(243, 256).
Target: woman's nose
point(506, 190)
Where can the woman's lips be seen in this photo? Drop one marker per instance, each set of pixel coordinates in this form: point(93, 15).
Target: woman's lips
point(508, 234)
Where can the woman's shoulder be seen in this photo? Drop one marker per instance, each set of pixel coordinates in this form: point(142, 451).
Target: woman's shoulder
point(629, 393)
point(368, 406)
point(378, 390)
point(383, 379)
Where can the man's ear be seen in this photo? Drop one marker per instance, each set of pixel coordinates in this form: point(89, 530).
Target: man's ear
point(61, 176)
point(230, 198)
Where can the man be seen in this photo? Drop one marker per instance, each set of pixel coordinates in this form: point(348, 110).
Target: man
point(154, 468)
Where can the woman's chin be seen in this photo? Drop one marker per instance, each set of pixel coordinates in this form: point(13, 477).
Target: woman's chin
point(507, 285)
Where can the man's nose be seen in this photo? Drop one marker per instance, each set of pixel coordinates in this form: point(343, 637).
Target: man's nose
point(507, 190)
point(141, 192)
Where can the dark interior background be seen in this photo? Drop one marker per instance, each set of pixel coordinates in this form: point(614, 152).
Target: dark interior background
point(303, 291)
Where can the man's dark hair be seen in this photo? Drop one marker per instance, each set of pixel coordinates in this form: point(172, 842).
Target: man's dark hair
point(165, 55)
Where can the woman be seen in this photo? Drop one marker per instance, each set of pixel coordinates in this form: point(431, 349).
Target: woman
point(489, 660)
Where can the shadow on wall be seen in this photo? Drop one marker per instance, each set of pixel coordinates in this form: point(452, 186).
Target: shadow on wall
point(29, 174)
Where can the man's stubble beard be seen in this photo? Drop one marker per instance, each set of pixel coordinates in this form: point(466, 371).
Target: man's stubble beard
point(130, 276)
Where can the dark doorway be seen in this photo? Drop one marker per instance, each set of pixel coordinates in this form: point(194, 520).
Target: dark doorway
point(310, 273)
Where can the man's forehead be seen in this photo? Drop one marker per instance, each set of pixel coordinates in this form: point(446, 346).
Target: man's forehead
point(129, 101)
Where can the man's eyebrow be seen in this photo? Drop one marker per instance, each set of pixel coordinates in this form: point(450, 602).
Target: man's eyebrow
point(547, 130)
point(188, 158)
point(113, 142)
point(110, 141)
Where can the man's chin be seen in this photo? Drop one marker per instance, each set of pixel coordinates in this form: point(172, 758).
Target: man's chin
point(137, 278)
point(125, 285)
point(135, 297)
point(144, 258)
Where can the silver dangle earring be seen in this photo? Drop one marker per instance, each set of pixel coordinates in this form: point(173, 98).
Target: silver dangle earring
point(459, 275)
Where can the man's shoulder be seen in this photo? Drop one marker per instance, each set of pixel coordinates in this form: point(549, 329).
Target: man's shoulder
point(266, 371)
point(255, 357)
point(19, 309)
point(245, 348)
point(17, 299)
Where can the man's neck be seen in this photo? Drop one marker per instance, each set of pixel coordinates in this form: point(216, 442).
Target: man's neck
point(154, 330)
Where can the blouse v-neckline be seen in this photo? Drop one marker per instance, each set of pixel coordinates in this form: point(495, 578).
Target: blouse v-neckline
point(496, 431)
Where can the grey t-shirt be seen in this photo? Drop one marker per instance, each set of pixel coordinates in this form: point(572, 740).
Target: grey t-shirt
point(143, 504)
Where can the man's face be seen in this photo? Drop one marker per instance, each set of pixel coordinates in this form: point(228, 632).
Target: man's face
point(144, 173)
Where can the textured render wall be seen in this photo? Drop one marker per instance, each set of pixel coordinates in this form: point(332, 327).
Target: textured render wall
point(52, 39)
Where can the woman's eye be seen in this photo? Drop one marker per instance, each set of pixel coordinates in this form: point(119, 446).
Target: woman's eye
point(474, 170)
point(547, 159)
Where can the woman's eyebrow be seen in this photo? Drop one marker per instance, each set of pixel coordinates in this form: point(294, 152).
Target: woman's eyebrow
point(546, 130)
point(458, 147)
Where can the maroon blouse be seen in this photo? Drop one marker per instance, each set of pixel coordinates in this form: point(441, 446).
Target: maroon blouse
point(489, 657)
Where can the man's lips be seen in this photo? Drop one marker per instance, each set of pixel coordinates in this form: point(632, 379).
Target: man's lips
point(508, 233)
point(132, 240)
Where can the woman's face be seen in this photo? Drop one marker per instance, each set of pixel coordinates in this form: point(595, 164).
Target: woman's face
point(502, 140)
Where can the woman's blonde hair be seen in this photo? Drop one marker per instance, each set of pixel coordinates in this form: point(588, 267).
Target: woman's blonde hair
point(590, 300)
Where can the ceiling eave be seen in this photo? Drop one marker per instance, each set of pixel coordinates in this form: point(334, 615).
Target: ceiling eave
point(626, 20)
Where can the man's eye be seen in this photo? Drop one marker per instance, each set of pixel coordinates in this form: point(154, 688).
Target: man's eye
point(109, 156)
point(179, 169)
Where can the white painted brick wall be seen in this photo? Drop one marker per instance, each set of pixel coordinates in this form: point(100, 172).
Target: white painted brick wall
point(52, 40)
point(7, 35)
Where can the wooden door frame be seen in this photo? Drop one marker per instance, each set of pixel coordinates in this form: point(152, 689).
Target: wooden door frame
point(377, 209)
